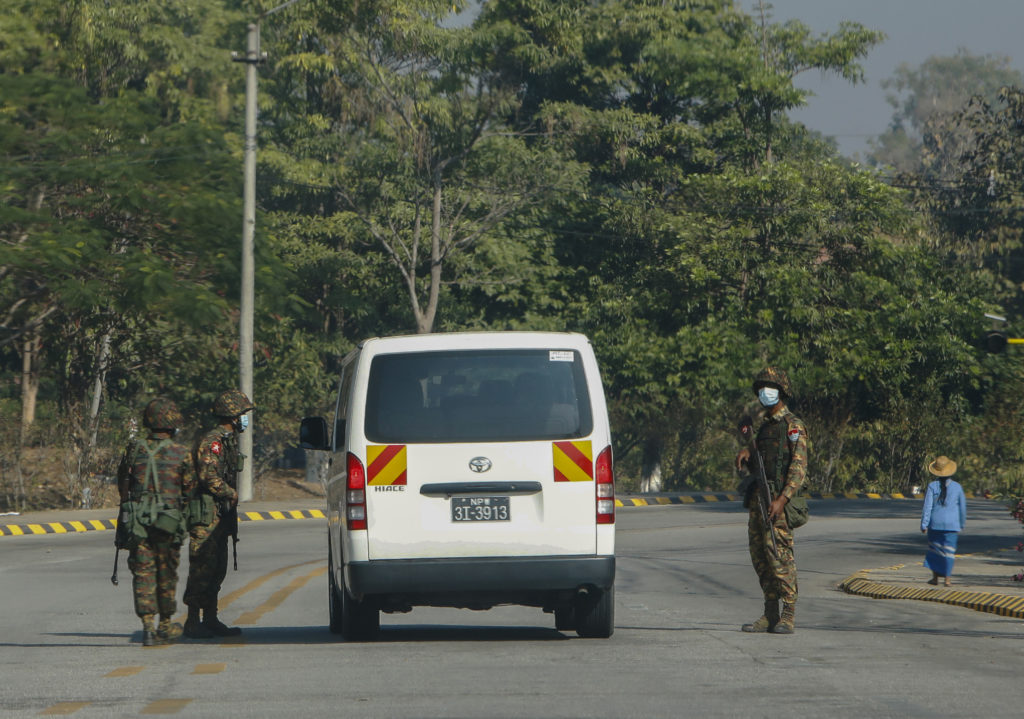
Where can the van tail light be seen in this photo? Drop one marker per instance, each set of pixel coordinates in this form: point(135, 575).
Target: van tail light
point(355, 493)
point(605, 487)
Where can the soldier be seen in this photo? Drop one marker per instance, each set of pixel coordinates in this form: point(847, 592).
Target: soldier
point(150, 480)
point(212, 506)
point(781, 440)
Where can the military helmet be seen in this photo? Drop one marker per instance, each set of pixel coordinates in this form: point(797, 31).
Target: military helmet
point(162, 414)
point(231, 404)
point(775, 376)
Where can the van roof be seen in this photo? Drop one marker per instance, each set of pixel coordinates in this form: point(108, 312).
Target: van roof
point(475, 340)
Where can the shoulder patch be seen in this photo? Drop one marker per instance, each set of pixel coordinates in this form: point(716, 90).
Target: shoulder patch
point(215, 447)
point(793, 434)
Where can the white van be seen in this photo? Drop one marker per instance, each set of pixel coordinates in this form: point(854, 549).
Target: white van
point(469, 470)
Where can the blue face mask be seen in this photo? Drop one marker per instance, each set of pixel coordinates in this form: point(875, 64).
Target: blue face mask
point(768, 396)
point(244, 422)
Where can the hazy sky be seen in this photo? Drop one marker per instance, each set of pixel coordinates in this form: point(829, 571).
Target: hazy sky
point(916, 30)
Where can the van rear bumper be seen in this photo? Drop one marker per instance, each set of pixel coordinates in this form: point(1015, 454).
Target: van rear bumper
point(479, 574)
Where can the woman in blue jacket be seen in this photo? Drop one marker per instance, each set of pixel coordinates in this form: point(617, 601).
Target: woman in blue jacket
point(943, 518)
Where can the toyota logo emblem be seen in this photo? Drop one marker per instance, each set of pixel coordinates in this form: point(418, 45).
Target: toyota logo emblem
point(479, 464)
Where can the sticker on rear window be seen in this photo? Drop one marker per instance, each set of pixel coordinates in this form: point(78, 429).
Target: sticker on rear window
point(560, 356)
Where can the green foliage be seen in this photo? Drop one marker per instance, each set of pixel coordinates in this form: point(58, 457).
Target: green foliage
point(931, 95)
point(624, 168)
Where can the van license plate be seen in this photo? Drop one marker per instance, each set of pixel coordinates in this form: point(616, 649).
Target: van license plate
point(480, 509)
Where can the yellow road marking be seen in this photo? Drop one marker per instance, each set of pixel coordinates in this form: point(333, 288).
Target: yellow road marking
point(125, 672)
point(63, 708)
point(209, 668)
point(253, 616)
point(165, 706)
point(78, 526)
point(36, 529)
point(232, 596)
point(254, 516)
point(58, 528)
point(97, 524)
point(228, 598)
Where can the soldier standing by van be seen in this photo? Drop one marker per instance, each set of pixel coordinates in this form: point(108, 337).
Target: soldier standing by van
point(150, 480)
point(781, 440)
point(212, 505)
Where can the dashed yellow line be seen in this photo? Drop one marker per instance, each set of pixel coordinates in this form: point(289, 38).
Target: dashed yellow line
point(210, 668)
point(275, 600)
point(165, 706)
point(124, 672)
point(63, 708)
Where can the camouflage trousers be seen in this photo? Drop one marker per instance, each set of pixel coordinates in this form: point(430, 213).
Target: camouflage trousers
point(777, 575)
point(208, 564)
point(154, 567)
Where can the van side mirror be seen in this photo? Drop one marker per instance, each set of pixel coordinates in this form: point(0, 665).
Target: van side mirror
point(313, 433)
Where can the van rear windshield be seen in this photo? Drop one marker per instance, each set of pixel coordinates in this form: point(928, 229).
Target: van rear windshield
point(477, 396)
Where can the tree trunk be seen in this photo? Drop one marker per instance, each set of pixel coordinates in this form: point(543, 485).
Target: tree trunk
point(650, 468)
point(97, 390)
point(426, 323)
point(29, 382)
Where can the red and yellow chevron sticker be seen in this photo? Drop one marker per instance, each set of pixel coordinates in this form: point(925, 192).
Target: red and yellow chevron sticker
point(386, 464)
point(574, 461)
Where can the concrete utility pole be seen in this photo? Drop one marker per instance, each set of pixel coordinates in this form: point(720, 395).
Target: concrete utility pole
point(253, 57)
point(247, 300)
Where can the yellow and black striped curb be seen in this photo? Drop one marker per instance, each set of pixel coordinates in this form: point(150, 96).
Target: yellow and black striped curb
point(89, 525)
point(1005, 605)
point(701, 497)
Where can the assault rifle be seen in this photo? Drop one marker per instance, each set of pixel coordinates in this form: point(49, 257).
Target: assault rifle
point(764, 489)
point(229, 518)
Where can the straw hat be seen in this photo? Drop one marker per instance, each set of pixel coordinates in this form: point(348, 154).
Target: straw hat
point(943, 466)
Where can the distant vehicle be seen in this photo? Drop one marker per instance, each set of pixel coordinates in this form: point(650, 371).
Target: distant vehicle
point(469, 470)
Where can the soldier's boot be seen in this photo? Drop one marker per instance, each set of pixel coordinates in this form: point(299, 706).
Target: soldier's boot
point(194, 628)
point(767, 621)
point(148, 634)
point(216, 626)
point(168, 632)
point(786, 623)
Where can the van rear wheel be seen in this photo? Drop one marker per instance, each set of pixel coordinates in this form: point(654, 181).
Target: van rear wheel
point(359, 621)
point(595, 613)
point(333, 605)
point(565, 621)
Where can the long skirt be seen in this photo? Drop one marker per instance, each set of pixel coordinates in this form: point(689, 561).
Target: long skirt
point(941, 551)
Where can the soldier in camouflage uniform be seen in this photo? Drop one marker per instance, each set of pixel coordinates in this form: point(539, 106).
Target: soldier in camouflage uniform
point(217, 464)
point(781, 440)
point(153, 560)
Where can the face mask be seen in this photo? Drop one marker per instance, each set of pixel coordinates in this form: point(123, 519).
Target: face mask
point(244, 422)
point(768, 396)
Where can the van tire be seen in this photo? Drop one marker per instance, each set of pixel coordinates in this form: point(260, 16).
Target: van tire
point(359, 622)
point(355, 621)
point(333, 604)
point(595, 613)
point(565, 621)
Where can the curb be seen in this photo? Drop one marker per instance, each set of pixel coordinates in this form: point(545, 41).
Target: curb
point(698, 498)
point(89, 525)
point(1005, 605)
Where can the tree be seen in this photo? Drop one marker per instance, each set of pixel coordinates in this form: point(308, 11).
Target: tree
point(412, 151)
point(931, 93)
point(679, 112)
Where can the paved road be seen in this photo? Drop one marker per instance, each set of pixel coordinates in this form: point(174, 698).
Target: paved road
point(69, 643)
